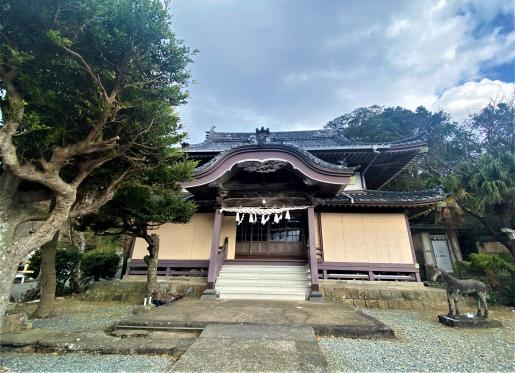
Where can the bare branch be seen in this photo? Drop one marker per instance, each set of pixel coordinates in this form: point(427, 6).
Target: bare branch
point(88, 69)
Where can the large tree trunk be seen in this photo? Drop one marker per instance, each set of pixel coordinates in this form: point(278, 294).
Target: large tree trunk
point(47, 279)
point(451, 234)
point(7, 272)
point(128, 242)
point(151, 261)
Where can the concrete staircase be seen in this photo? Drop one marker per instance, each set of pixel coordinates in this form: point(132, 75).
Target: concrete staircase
point(278, 282)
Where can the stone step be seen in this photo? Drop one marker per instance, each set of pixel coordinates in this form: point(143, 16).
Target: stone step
point(263, 269)
point(254, 288)
point(258, 280)
point(265, 295)
point(263, 282)
point(264, 276)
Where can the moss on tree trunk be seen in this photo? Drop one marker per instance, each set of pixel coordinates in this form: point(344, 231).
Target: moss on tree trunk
point(151, 260)
point(47, 279)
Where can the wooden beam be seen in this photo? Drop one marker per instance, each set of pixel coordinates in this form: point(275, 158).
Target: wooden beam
point(313, 265)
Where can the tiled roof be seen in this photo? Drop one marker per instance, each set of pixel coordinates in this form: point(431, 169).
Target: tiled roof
point(219, 141)
point(314, 140)
point(387, 198)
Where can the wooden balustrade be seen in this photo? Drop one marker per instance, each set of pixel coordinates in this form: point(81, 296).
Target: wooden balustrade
point(221, 256)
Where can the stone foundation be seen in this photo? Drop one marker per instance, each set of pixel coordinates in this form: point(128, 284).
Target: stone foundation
point(132, 289)
point(364, 294)
point(387, 294)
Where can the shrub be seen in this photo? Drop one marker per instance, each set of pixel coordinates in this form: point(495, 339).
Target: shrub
point(99, 264)
point(66, 260)
point(499, 272)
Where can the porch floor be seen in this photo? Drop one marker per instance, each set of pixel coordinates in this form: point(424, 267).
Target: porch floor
point(328, 318)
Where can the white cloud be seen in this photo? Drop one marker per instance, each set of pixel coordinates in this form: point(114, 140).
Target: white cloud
point(299, 64)
point(471, 97)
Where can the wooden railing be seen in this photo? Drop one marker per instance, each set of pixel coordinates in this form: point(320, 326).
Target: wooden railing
point(221, 257)
point(217, 262)
point(167, 267)
point(368, 271)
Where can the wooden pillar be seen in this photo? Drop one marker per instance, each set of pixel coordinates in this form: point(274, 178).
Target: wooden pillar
point(215, 243)
point(313, 264)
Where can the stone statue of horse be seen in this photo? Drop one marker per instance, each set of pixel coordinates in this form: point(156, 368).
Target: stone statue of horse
point(454, 287)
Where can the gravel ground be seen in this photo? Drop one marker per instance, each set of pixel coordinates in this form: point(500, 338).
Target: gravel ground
point(98, 317)
point(425, 345)
point(75, 315)
point(74, 362)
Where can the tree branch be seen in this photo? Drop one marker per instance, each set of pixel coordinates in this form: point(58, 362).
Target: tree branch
point(82, 209)
point(88, 69)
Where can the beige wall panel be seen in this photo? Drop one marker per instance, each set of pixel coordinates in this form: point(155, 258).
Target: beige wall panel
point(203, 232)
point(140, 249)
point(182, 241)
point(366, 238)
point(229, 231)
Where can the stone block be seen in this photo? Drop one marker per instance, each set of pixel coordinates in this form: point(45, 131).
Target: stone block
point(359, 303)
point(372, 303)
point(348, 301)
point(361, 294)
point(419, 295)
point(385, 294)
point(353, 293)
point(465, 322)
point(396, 294)
point(381, 304)
point(415, 305)
point(373, 294)
point(15, 322)
point(408, 294)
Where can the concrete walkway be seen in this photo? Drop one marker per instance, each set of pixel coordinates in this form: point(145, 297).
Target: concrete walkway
point(329, 318)
point(244, 348)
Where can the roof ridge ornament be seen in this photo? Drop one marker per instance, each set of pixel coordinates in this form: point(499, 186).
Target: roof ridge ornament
point(263, 136)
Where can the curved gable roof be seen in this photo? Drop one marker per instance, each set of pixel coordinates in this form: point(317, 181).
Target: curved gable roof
point(301, 160)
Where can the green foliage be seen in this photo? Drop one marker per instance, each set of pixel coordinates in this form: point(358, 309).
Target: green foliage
point(462, 267)
point(136, 208)
point(507, 292)
point(499, 271)
point(496, 263)
point(111, 65)
point(66, 260)
point(492, 184)
point(99, 264)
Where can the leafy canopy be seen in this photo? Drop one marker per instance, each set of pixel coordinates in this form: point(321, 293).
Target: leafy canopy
point(90, 89)
point(474, 161)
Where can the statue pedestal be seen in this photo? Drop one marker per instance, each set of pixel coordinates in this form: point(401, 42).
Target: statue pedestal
point(466, 322)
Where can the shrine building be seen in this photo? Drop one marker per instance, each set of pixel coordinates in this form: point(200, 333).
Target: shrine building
point(280, 212)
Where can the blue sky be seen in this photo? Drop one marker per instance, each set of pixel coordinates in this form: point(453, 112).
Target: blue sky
point(297, 64)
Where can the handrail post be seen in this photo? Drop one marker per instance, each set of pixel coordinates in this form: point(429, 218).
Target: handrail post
point(315, 294)
point(210, 292)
